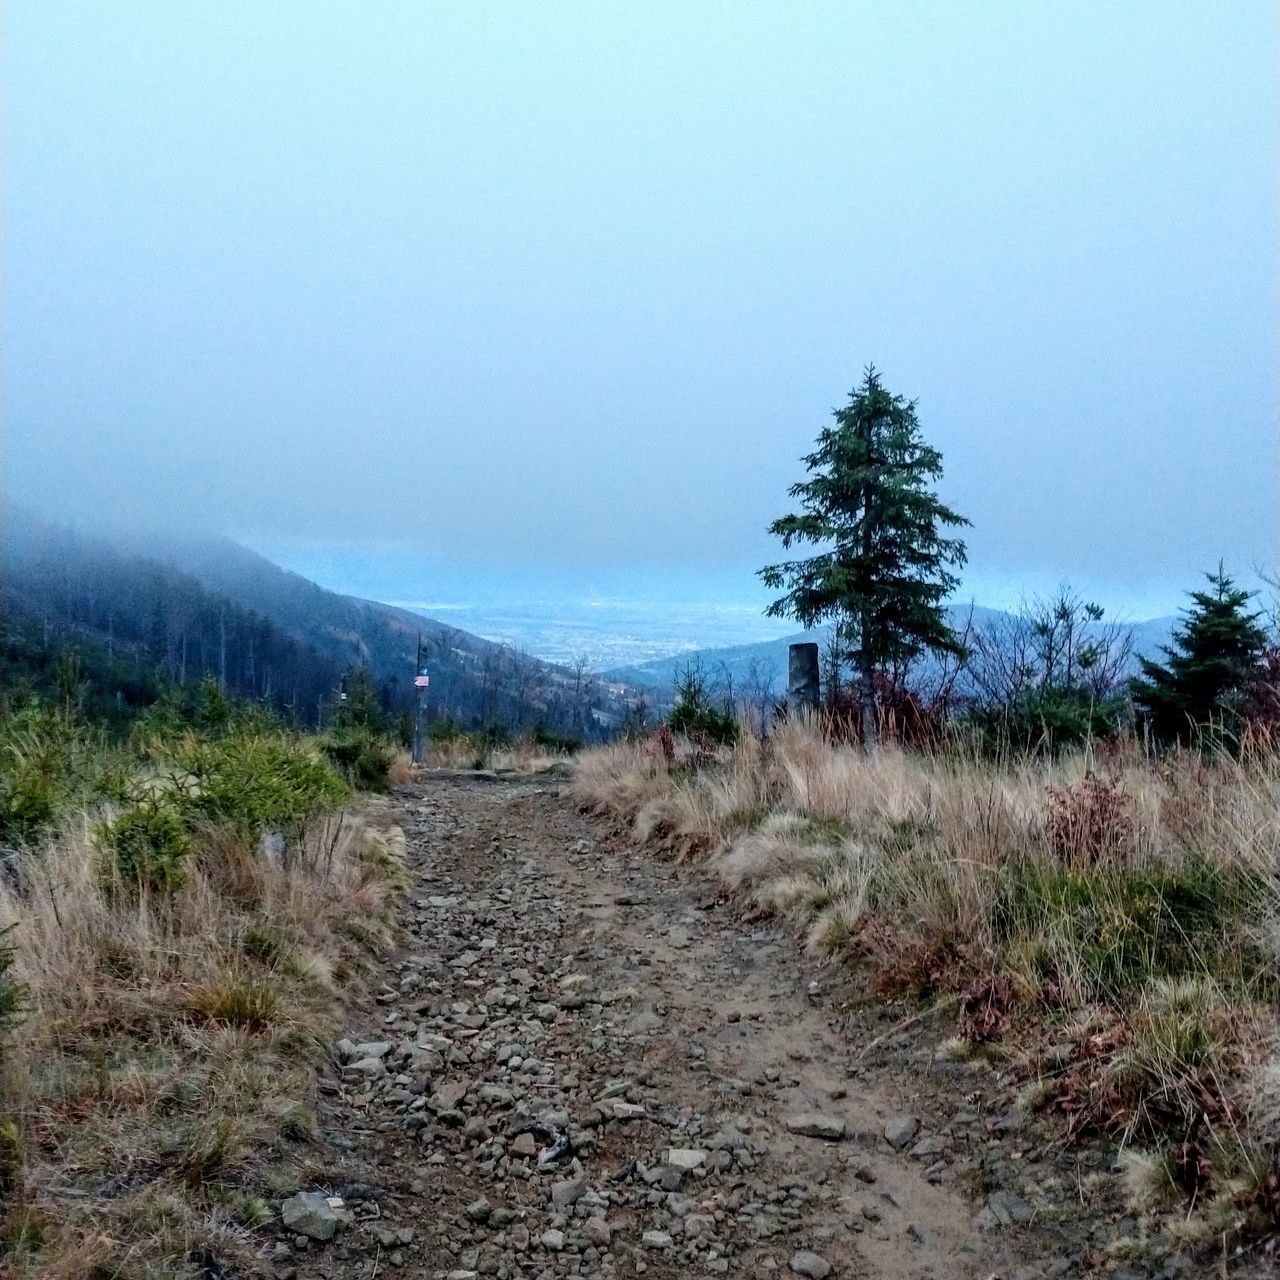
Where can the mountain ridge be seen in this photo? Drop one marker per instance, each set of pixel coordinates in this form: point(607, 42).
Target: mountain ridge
point(293, 640)
point(766, 660)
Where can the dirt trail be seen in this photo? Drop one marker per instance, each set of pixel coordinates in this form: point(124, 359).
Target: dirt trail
point(551, 974)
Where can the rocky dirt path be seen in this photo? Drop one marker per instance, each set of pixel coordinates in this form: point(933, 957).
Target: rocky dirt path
point(721, 1116)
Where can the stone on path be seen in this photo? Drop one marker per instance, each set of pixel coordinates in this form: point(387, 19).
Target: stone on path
point(685, 1158)
point(816, 1125)
point(808, 1263)
point(899, 1130)
point(569, 1192)
point(1003, 1209)
point(310, 1214)
point(598, 1231)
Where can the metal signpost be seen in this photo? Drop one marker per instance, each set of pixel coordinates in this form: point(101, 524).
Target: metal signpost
point(421, 682)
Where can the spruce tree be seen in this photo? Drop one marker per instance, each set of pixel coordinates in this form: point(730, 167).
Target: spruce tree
point(886, 570)
point(1215, 648)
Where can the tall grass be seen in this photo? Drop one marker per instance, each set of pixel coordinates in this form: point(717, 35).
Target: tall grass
point(1124, 906)
point(169, 1041)
point(176, 982)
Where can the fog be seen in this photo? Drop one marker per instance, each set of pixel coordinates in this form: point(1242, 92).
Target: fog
point(575, 285)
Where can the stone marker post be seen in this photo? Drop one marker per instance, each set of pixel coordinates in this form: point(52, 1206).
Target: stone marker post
point(802, 679)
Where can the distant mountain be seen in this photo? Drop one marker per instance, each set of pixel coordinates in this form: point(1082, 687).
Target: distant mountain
point(138, 609)
point(763, 665)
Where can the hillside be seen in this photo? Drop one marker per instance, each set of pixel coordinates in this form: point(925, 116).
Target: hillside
point(137, 609)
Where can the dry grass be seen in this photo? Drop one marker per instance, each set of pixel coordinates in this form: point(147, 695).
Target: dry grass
point(160, 1082)
point(467, 752)
point(1036, 893)
point(400, 770)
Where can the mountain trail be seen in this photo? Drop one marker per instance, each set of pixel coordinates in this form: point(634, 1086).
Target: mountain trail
point(724, 1112)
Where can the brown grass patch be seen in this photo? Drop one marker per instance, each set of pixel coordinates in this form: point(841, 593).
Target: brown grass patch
point(160, 1084)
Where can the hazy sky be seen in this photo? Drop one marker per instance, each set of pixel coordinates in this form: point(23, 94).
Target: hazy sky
point(576, 284)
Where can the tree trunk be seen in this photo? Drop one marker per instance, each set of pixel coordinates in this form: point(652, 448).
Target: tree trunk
point(867, 699)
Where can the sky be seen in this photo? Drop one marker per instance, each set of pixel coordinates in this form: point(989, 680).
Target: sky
point(561, 289)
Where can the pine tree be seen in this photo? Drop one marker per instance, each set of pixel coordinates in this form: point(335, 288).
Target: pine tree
point(361, 708)
point(886, 571)
point(1215, 649)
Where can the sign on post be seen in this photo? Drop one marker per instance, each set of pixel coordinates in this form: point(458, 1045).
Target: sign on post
point(421, 682)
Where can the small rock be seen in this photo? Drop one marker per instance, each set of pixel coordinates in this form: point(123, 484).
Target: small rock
point(928, 1147)
point(310, 1214)
point(479, 1210)
point(656, 1240)
point(816, 1125)
point(1007, 1208)
point(569, 1192)
point(899, 1130)
point(524, 1145)
point(598, 1231)
point(685, 1158)
point(808, 1263)
point(552, 1240)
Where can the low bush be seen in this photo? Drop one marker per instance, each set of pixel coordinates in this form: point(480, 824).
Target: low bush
point(173, 1037)
point(254, 782)
point(238, 999)
point(174, 980)
point(696, 715)
point(148, 845)
point(13, 997)
point(364, 758)
point(49, 764)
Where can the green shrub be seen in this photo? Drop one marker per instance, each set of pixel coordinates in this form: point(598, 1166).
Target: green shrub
point(12, 994)
point(361, 755)
point(267, 943)
point(560, 743)
point(49, 762)
point(446, 729)
point(696, 715)
point(254, 782)
point(1050, 721)
point(149, 845)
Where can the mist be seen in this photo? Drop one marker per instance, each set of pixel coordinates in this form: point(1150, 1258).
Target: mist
point(569, 289)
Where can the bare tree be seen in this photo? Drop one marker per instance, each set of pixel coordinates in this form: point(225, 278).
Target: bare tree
point(760, 692)
point(1060, 644)
point(582, 682)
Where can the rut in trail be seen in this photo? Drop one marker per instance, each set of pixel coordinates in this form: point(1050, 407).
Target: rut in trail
point(550, 976)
